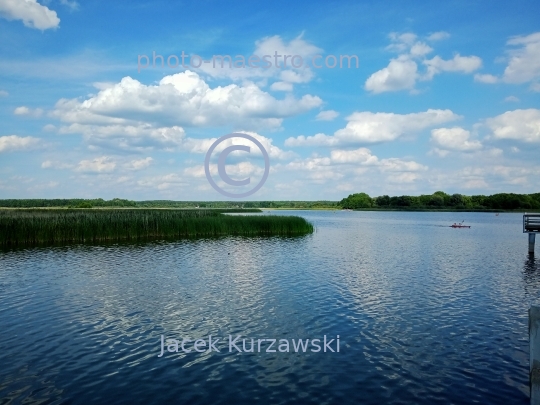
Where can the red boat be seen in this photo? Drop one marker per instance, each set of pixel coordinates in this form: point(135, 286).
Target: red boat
point(460, 225)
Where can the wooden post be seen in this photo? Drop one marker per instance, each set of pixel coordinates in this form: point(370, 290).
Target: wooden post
point(531, 242)
point(534, 354)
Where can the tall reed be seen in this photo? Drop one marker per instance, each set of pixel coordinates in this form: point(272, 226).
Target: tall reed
point(51, 226)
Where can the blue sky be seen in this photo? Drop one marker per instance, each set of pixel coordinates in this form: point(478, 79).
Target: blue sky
point(445, 97)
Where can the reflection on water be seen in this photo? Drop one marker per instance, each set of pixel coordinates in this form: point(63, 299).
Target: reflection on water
point(427, 314)
point(531, 277)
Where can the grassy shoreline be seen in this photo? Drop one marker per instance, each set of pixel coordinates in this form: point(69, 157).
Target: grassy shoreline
point(25, 227)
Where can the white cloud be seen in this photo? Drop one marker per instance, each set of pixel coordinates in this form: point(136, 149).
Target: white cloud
point(485, 78)
point(439, 152)
point(512, 99)
point(524, 63)
point(438, 36)
point(3, 93)
point(351, 167)
point(12, 143)
point(273, 151)
point(145, 137)
point(457, 139)
point(535, 87)
point(368, 127)
point(49, 128)
point(420, 49)
point(400, 165)
point(183, 99)
point(400, 74)
point(103, 164)
point(281, 86)
point(328, 115)
point(522, 125)
point(403, 178)
point(23, 110)
point(139, 164)
point(315, 140)
point(461, 64)
point(360, 156)
point(51, 164)
point(32, 14)
point(286, 73)
point(297, 46)
point(401, 42)
point(136, 137)
point(72, 5)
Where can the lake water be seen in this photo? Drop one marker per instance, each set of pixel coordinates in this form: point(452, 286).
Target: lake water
point(426, 314)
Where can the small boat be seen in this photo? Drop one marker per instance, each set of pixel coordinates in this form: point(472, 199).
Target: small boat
point(459, 225)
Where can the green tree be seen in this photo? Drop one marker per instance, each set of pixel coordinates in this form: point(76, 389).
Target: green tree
point(355, 201)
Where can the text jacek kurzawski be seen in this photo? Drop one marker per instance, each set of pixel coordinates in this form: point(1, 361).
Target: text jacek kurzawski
point(249, 345)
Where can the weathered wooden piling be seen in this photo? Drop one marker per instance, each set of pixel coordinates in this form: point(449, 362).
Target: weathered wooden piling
point(534, 354)
point(531, 242)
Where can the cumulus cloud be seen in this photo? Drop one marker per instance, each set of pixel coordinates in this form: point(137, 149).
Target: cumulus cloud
point(368, 127)
point(183, 99)
point(485, 78)
point(358, 156)
point(72, 5)
point(523, 62)
point(438, 36)
point(456, 139)
point(328, 115)
point(521, 125)
point(281, 86)
point(11, 143)
point(52, 164)
point(351, 166)
point(131, 137)
point(461, 64)
point(402, 73)
point(273, 151)
point(30, 12)
point(139, 164)
point(286, 74)
point(31, 112)
point(103, 164)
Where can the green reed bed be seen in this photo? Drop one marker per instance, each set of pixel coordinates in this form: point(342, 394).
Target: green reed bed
point(40, 226)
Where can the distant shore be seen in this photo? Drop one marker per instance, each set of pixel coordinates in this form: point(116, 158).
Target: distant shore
point(532, 211)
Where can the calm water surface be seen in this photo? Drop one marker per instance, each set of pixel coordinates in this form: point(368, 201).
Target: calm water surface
point(426, 315)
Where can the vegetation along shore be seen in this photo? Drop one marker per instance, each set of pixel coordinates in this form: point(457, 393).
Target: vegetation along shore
point(438, 201)
point(53, 226)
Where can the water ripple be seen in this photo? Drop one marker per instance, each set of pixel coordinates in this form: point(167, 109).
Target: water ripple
point(426, 315)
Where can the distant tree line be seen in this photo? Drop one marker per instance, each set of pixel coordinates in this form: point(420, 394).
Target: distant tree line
point(68, 203)
point(441, 200)
point(117, 202)
point(437, 200)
